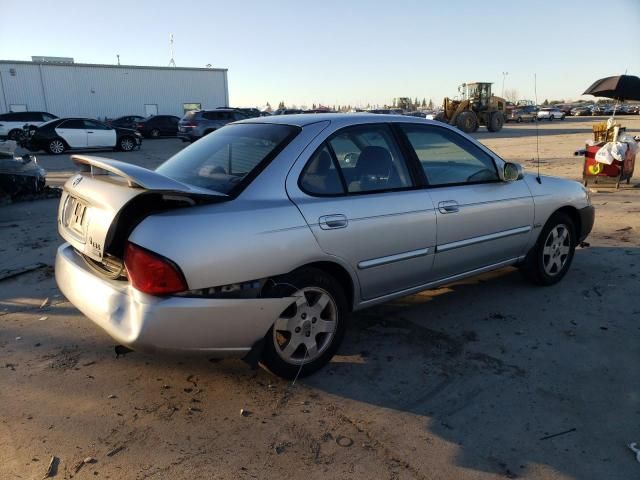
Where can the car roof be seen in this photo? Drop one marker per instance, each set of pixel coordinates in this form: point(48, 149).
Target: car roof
point(304, 119)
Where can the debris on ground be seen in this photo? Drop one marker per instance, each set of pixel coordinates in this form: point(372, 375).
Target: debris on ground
point(553, 435)
point(244, 413)
point(52, 469)
point(44, 303)
point(14, 272)
point(636, 450)
point(113, 451)
point(344, 441)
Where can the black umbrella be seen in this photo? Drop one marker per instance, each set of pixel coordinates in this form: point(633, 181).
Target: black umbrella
point(621, 87)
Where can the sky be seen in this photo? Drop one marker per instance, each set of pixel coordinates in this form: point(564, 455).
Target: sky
point(355, 52)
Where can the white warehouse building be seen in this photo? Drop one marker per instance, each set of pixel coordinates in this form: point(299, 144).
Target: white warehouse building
point(67, 89)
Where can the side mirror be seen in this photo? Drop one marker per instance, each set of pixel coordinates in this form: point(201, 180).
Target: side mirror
point(512, 172)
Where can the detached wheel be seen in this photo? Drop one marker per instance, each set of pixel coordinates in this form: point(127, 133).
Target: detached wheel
point(56, 147)
point(126, 144)
point(549, 260)
point(308, 332)
point(155, 133)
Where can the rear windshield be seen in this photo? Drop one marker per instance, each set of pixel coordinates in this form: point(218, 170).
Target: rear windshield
point(227, 159)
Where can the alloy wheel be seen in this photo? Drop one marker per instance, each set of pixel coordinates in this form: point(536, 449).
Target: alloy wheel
point(556, 250)
point(126, 144)
point(306, 328)
point(56, 146)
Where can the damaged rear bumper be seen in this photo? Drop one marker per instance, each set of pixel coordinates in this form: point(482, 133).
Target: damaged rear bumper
point(216, 327)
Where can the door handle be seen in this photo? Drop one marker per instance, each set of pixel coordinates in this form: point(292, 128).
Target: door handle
point(448, 206)
point(330, 222)
point(89, 132)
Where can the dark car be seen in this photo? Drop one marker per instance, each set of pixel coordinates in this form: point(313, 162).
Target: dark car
point(158, 126)
point(12, 123)
point(580, 111)
point(198, 123)
point(129, 121)
point(64, 134)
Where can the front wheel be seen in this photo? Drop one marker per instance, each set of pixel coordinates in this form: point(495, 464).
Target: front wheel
point(155, 133)
point(550, 258)
point(127, 144)
point(56, 146)
point(309, 331)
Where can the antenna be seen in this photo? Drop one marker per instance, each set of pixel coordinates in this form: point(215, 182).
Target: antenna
point(118, 55)
point(172, 62)
point(535, 90)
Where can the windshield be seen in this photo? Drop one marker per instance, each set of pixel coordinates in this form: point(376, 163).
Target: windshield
point(223, 159)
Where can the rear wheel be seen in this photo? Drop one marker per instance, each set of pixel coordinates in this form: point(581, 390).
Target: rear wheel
point(550, 258)
point(467, 122)
point(309, 331)
point(551, 118)
point(496, 121)
point(56, 146)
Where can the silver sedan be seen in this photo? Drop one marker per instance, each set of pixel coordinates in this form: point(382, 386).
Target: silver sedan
point(262, 237)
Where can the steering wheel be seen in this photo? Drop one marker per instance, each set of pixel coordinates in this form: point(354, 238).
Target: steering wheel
point(474, 176)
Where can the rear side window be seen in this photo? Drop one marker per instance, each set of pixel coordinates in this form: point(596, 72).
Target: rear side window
point(74, 124)
point(447, 158)
point(362, 159)
point(320, 176)
point(229, 158)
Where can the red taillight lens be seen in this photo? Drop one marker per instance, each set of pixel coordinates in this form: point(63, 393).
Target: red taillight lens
point(152, 273)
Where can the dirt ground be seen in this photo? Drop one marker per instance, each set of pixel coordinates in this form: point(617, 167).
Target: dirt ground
point(469, 381)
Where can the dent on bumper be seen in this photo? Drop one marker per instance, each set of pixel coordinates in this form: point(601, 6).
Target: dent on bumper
point(145, 322)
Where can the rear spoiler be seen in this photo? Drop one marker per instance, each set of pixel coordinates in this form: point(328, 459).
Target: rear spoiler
point(136, 177)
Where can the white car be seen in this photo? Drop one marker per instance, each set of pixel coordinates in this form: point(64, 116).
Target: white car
point(11, 123)
point(550, 114)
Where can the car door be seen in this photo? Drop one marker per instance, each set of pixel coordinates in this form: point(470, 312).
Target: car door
point(172, 126)
point(482, 220)
point(361, 201)
point(99, 134)
point(73, 132)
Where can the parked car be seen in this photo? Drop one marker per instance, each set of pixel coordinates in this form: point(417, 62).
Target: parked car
point(580, 111)
point(524, 114)
point(260, 239)
point(62, 134)
point(248, 112)
point(158, 126)
point(287, 111)
point(129, 121)
point(550, 114)
point(12, 123)
point(198, 123)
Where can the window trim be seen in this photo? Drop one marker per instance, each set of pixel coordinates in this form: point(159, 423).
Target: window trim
point(346, 193)
point(416, 159)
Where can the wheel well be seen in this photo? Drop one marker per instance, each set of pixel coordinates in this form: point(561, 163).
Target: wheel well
point(573, 214)
point(340, 274)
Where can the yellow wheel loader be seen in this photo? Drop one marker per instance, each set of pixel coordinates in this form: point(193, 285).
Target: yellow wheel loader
point(477, 107)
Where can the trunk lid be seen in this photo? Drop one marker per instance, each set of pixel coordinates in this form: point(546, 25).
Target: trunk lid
point(107, 198)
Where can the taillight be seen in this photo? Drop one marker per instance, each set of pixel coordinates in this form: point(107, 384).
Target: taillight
point(140, 125)
point(151, 273)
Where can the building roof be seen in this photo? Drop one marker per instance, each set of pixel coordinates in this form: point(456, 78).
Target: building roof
point(101, 65)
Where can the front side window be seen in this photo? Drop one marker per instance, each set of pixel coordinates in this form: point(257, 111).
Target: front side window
point(75, 124)
point(447, 158)
point(369, 159)
point(225, 160)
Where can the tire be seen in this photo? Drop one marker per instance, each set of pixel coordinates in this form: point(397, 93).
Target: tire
point(56, 146)
point(496, 121)
point(14, 134)
point(155, 133)
point(126, 144)
point(519, 120)
point(300, 325)
point(550, 258)
point(467, 122)
point(562, 117)
point(551, 118)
